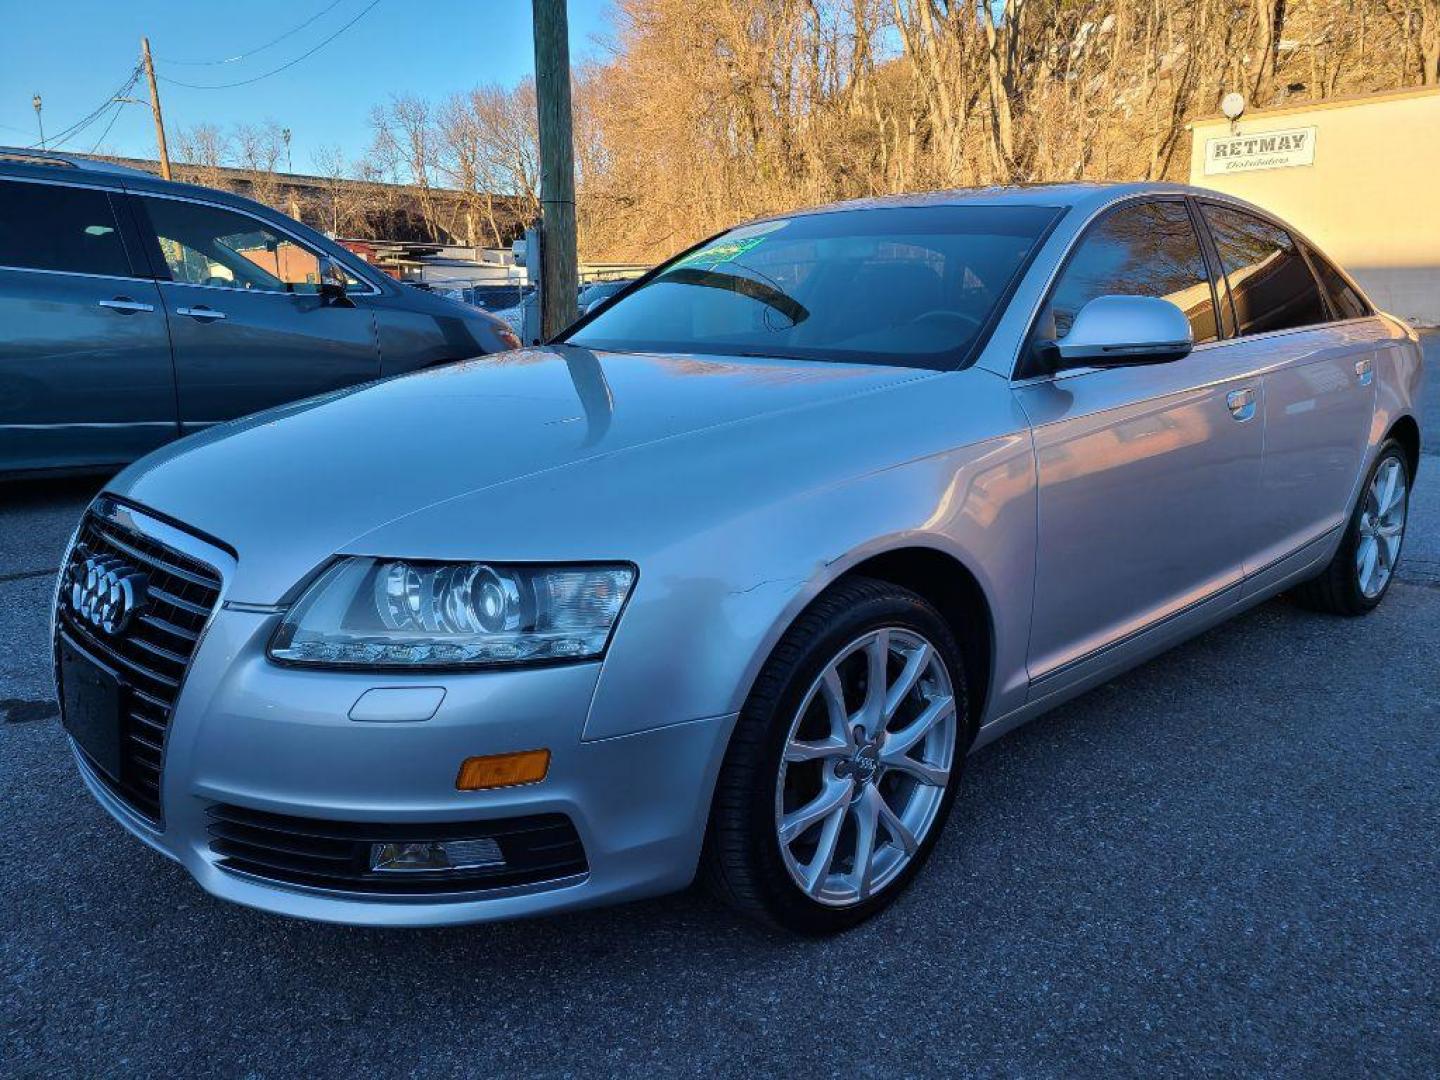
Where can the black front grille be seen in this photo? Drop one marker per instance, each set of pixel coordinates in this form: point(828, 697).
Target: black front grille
point(150, 654)
point(336, 854)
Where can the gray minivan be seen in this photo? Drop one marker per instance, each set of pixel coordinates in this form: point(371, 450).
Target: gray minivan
point(134, 310)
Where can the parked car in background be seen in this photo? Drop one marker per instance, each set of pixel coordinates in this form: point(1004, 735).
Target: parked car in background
point(495, 298)
point(591, 295)
point(134, 310)
point(524, 317)
point(732, 576)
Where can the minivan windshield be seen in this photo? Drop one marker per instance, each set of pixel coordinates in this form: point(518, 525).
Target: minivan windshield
point(913, 286)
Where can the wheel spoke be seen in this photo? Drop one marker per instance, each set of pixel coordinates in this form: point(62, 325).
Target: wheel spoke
point(818, 868)
point(923, 771)
point(917, 662)
point(835, 794)
point(796, 751)
point(1367, 557)
point(867, 817)
point(898, 831)
point(833, 692)
point(1387, 496)
point(1388, 545)
point(899, 743)
point(877, 662)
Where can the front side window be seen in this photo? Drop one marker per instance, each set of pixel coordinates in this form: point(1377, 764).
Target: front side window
point(911, 286)
point(1145, 249)
point(1271, 285)
point(205, 245)
point(51, 227)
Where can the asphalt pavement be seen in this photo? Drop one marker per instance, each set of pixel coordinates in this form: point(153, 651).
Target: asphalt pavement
point(1223, 862)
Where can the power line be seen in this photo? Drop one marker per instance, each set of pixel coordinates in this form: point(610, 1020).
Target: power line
point(80, 125)
point(259, 49)
point(282, 67)
point(119, 108)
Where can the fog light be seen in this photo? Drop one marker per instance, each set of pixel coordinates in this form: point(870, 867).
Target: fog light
point(503, 770)
point(408, 857)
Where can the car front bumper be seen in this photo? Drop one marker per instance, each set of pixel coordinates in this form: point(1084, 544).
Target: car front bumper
point(248, 733)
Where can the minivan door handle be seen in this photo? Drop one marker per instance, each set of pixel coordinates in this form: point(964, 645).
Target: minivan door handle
point(125, 305)
point(204, 314)
point(1241, 403)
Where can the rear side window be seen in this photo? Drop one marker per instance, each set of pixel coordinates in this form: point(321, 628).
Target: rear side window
point(1270, 283)
point(1348, 303)
point(70, 229)
point(1147, 249)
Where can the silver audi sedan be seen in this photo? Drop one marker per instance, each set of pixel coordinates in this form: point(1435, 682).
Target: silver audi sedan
point(730, 578)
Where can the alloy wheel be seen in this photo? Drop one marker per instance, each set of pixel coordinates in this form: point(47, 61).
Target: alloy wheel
point(866, 762)
point(1382, 527)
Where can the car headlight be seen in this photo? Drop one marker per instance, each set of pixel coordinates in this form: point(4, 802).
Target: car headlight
point(364, 612)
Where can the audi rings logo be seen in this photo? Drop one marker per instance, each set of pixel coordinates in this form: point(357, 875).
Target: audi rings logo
point(106, 593)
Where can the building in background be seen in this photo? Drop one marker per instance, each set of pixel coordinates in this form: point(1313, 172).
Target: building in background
point(1360, 176)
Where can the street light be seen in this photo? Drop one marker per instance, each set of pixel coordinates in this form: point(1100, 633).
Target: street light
point(35, 101)
point(285, 134)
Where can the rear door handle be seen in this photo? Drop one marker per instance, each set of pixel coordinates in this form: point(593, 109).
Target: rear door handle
point(1241, 403)
point(125, 305)
point(204, 314)
point(1365, 370)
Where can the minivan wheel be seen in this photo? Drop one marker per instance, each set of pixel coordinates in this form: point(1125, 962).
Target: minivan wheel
point(1359, 575)
point(843, 764)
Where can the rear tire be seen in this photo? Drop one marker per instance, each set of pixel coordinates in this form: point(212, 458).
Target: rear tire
point(1359, 575)
point(795, 749)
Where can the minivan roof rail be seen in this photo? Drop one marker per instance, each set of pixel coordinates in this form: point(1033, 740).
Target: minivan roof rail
point(31, 157)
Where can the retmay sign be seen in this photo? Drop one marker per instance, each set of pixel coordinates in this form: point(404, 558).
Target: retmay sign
point(1265, 150)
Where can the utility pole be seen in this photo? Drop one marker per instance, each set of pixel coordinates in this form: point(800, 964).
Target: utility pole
point(559, 271)
point(155, 108)
point(38, 120)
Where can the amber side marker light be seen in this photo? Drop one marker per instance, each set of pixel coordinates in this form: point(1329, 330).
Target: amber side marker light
point(503, 770)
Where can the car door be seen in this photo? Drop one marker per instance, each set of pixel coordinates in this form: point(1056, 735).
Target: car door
point(85, 373)
point(1319, 393)
point(247, 323)
point(1147, 475)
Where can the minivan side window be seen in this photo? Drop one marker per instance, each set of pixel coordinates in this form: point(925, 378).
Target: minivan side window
point(1348, 303)
point(1271, 285)
point(1145, 249)
point(53, 227)
point(205, 245)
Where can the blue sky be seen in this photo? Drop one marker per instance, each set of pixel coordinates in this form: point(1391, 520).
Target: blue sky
point(76, 52)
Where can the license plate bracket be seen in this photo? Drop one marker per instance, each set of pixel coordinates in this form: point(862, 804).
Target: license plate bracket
point(90, 696)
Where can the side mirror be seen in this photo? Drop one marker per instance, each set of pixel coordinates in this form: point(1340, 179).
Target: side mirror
point(332, 282)
point(1114, 331)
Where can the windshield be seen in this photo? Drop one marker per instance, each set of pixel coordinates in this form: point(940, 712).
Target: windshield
point(910, 286)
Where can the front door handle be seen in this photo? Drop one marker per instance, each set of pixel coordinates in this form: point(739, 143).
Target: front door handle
point(125, 305)
point(1241, 403)
point(204, 314)
point(1365, 370)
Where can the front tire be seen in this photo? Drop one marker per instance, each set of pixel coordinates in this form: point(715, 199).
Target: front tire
point(844, 762)
point(1359, 575)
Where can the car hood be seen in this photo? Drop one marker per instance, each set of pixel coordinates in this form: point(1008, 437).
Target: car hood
point(288, 488)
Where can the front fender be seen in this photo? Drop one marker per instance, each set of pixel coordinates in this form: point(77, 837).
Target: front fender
point(709, 607)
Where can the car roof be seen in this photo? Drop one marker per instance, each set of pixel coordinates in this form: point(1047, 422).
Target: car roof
point(1077, 195)
point(31, 162)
